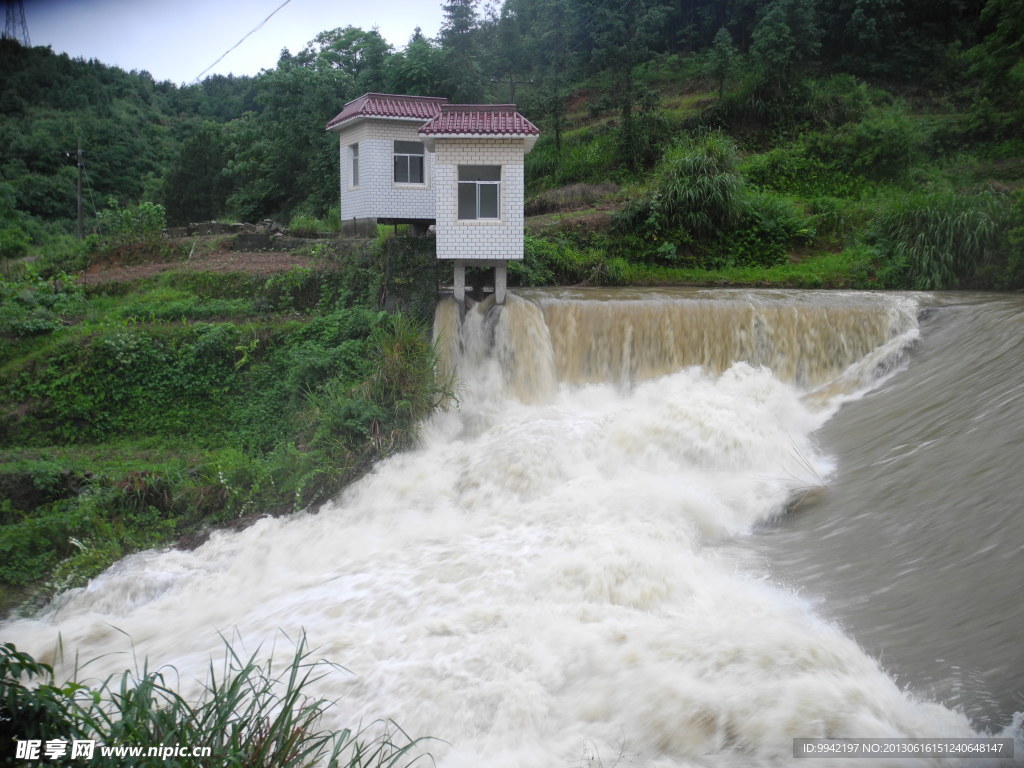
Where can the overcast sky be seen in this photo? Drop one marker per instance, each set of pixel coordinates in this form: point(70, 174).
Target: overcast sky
point(177, 39)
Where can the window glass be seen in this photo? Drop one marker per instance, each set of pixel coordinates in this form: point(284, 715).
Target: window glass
point(408, 162)
point(355, 165)
point(479, 191)
point(467, 201)
point(479, 173)
point(408, 169)
point(487, 194)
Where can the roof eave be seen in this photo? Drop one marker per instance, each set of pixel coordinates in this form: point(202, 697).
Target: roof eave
point(349, 121)
point(528, 139)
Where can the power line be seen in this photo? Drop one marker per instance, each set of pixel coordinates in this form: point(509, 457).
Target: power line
point(257, 28)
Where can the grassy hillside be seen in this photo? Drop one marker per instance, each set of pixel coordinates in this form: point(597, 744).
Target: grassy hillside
point(142, 412)
point(847, 185)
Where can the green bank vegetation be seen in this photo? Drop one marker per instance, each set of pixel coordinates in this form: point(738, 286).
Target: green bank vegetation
point(250, 712)
point(138, 415)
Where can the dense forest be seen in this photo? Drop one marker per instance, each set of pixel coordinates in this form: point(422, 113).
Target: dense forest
point(740, 130)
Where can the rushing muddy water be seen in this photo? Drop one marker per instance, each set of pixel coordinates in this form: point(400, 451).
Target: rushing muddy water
point(665, 528)
point(918, 545)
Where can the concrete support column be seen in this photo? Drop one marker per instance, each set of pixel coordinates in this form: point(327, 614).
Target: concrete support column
point(460, 281)
point(500, 281)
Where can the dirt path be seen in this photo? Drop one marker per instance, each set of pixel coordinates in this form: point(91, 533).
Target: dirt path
point(253, 263)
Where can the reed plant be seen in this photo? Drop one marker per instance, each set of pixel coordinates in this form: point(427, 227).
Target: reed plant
point(939, 240)
point(698, 187)
point(249, 713)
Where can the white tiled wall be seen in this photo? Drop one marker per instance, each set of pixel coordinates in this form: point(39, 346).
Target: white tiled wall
point(377, 195)
point(479, 238)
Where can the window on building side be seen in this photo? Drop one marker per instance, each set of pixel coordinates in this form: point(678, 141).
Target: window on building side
point(355, 164)
point(479, 191)
point(408, 162)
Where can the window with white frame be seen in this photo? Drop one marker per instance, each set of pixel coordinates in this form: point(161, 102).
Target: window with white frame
point(409, 162)
point(354, 181)
point(479, 191)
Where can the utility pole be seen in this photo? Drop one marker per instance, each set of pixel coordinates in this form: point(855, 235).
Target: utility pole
point(78, 158)
point(16, 27)
point(81, 169)
point(512, 86)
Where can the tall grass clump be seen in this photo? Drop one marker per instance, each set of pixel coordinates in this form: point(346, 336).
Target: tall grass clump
point(939, 240)
point(698, 186)
point(697, 190)
point(250, 713)
point(304, 224)
point(696, 197)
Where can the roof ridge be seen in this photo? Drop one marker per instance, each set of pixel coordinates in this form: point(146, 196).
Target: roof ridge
point(479, 120)
point(449, 107)
point(389, 105)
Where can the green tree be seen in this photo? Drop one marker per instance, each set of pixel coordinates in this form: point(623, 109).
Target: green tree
point(785, 40)
point(196, 188)
point(360, 55)
point(723, 59)
point(463, 79)
point(622, 35)
point(281, 158)
point(999, 58)
point(417, 70)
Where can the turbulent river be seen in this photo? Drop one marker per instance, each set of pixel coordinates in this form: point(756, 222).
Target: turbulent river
point(658, 528)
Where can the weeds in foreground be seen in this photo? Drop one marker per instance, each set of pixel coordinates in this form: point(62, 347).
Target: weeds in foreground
point(249, 714)
point(591, 756)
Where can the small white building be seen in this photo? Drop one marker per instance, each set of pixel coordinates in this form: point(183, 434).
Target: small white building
point(421, 161)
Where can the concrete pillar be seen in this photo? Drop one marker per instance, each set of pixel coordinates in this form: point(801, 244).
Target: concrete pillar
point(460, 281)
point(500, 281)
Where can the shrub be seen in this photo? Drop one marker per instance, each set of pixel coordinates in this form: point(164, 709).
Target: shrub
point(31, 304)
point(63, 253)
point(838, 100)
point(131, 227)
point(13, 242)
point(883, 146)
point(792, 170)
point(557, 261)
point(772, 226)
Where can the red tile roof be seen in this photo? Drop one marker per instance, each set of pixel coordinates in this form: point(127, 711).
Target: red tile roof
point(479, 120)
point(389, 105)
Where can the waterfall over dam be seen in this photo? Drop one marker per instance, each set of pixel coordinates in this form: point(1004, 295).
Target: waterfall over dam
point(602, 551)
